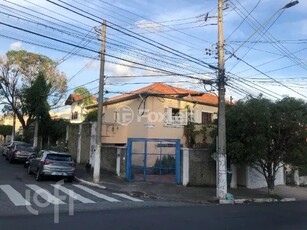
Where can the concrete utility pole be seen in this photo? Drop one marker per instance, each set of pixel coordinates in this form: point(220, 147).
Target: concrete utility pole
point(35, 139)
point(96, 174)
point(221, 187)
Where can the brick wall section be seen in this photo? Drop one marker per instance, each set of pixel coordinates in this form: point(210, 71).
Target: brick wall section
point(202, 168)
point(85, 142)
point(73, 140)
point(108, 159)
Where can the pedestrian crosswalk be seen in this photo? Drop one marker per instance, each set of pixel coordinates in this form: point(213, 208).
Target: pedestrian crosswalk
point(59, 194)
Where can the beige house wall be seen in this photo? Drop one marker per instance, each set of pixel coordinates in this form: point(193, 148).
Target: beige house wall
point(151, 124)
point(8, 120)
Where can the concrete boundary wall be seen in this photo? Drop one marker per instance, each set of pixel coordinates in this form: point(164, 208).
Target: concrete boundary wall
point(197, 165)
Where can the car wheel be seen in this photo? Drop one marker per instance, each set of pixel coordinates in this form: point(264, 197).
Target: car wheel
point(70, 179)
point(29, 170)
point(38, 176)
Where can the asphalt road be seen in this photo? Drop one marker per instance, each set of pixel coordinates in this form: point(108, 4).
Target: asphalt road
point(249, 216)
point(94, 208)
point(20, 194)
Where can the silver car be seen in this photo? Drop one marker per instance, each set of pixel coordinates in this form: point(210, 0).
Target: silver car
point(51, 163)
point(18, 151)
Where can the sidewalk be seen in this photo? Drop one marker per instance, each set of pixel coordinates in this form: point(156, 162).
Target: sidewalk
point(172, 192)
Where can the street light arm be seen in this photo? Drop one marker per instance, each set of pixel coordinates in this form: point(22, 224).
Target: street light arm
point(263, 26)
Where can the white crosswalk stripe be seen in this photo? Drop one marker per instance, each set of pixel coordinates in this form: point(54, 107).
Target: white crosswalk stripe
point(72, 194)
point(94, 193)
point(45, 194)
point(78, 192)
point(128, 197)
point(14, 196)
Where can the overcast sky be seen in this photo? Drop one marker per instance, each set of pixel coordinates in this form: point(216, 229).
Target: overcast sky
point(278, 55)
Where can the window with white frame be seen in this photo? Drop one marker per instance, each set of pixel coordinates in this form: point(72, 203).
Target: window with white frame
point(74, 115)
point(175, 117)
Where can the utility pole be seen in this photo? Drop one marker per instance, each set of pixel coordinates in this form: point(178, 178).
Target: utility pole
point(96, 174)
point(14, 119)
point(221, 187)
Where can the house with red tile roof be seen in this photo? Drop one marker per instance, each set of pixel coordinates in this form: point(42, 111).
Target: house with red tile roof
point(155, 111)
point(78, 107)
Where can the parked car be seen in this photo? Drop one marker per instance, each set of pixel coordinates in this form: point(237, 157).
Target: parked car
point(3, 148)
point(18, 150)
point(51, 163)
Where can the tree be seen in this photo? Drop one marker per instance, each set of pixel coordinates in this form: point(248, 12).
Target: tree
point(266, 135)
point(53, 130)
point(91, 116)
point(5, 130)
point(18, 70)
point(35, 99)
point(82, 91)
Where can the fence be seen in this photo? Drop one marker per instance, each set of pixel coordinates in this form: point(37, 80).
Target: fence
point(197, 167)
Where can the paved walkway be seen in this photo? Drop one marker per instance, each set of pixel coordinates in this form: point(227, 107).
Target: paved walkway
point(172, 192)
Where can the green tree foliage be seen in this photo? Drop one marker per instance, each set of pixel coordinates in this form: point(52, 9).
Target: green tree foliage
point(35, 101)
point(266, 134)
point(18, 70)
point(6, 130)
point(91, 116)
point(82, 91)
point(53, 130)
point(35, 97)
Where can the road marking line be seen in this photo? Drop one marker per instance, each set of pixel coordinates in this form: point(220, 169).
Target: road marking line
point(99, 195)
point(14, 196)
point(45, 194)
point(128, 197)
point(74, 195)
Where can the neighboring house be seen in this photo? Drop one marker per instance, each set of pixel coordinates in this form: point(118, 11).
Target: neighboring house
point(65, 114)
point(155, 111)
point(78, 107)
point(8, 120)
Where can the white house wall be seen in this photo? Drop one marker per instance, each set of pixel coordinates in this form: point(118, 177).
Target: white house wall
point(254, 179)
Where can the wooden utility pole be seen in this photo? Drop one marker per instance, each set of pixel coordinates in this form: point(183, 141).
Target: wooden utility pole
point(96, 174)
point(221, 187)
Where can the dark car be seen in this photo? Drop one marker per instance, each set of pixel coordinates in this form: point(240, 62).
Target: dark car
point(51, 163)
point(19, 151)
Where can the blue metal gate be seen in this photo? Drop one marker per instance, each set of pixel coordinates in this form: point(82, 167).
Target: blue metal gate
point(153, 160)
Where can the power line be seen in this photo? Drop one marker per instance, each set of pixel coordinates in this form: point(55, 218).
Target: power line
point(270, 77)
point(135, 35)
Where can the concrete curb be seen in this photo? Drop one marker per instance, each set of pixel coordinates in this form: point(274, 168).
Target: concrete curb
point(288, 199)
point(255, 200)
point(90, 183)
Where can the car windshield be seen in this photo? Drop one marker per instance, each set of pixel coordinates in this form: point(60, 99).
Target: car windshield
point(58, 157)
point(26, 148)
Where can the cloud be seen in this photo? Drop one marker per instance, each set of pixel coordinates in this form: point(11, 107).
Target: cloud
point(148, 25)
point(118, 70)
point(16, 46)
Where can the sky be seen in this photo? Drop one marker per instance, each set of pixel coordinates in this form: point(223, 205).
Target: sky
point(171, 41)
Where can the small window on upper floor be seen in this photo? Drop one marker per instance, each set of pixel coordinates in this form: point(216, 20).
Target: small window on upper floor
point(206, 118)
point(74, 116)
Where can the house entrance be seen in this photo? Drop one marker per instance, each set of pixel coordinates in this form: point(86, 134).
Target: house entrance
point(153, 160)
